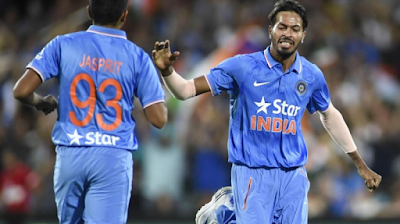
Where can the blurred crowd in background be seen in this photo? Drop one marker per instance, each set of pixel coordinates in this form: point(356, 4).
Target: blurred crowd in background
point(356, 43)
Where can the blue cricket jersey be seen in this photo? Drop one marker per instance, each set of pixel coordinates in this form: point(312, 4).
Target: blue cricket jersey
point(99, 72)
point(266, 107)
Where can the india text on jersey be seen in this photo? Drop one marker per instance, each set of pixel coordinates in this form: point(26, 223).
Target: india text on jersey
point(275, 124)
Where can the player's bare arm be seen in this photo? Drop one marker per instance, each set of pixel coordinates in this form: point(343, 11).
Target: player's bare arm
point(334, 123)
point(156, 114)
point(372, 179)
point(179, 87)
point(24, 91)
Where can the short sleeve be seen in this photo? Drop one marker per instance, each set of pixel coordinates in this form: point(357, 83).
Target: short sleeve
point(148, 89)
point(226, 76)
point(46, 62)
point(320, 98)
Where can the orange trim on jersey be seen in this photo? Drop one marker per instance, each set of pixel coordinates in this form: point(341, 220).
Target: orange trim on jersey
point(301, 66)
point(107, 34)
point(247, 193)
point(37, 71)
point(266, 58)
point(269, 64)
point(149, 104)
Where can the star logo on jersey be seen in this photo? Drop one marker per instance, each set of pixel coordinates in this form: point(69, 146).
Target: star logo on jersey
point(75, 138)
point(262, 106)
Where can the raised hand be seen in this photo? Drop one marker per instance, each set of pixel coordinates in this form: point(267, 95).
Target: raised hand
point(47, 104)
point(163, 58)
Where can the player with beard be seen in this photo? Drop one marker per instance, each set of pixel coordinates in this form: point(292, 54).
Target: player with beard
point(269, 93)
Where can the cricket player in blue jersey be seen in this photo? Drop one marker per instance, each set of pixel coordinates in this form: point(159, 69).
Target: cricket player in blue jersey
point(99, 72)
point(269, 93)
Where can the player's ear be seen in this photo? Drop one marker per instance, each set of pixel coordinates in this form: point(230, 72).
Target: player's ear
point(270, 31)
point(304, 36)
point(88, 12)
point(124, 16)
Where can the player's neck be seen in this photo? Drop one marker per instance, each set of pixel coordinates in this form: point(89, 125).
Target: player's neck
point(112, 26)
point(286, 62)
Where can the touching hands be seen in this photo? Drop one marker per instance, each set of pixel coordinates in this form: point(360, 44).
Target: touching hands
point(163, 58)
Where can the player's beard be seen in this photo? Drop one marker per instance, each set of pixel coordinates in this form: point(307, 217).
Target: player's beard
point(283, 52)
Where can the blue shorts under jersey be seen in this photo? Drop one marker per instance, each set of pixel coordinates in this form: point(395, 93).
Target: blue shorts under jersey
point(92, 184)
point(276, 195)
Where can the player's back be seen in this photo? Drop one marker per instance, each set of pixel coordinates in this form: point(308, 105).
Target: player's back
point(99, 73)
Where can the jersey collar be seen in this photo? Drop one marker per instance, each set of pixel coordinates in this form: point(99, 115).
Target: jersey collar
point(296, 67)
point(107, 31)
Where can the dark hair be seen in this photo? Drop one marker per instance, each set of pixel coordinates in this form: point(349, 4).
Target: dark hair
point(288, 5)
point(106, 12)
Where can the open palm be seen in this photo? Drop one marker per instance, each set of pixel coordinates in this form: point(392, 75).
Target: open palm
point(162, 56)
